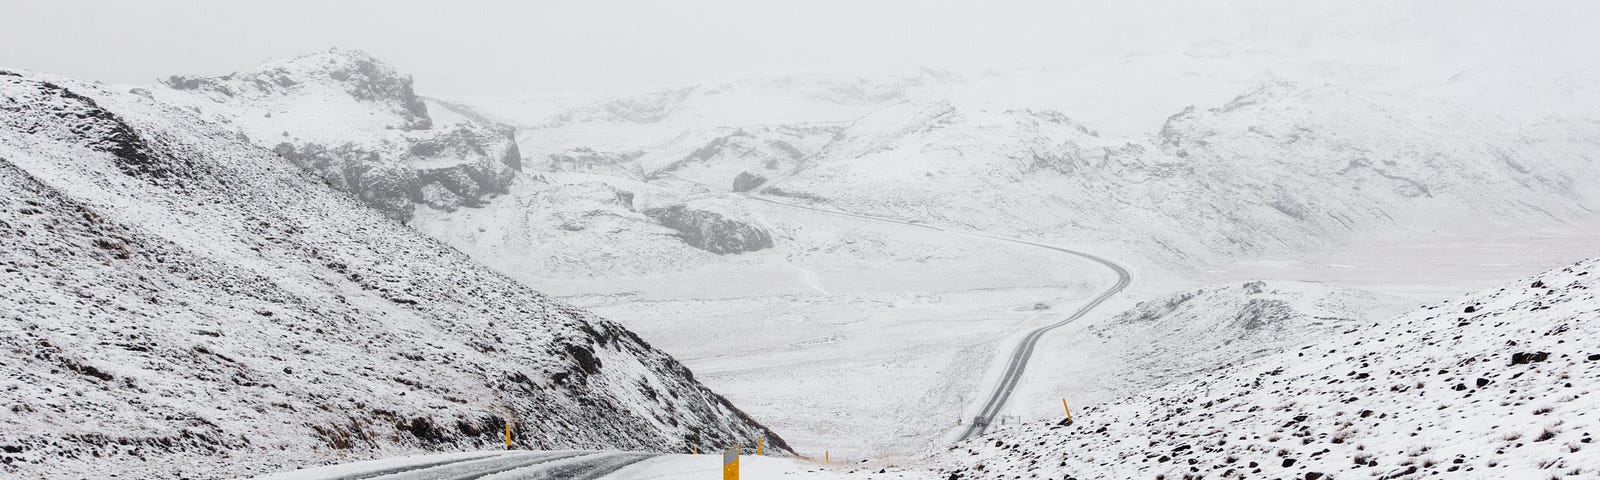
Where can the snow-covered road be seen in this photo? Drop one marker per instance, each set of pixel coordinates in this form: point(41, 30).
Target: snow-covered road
point(1024, 350)
point(1020, 355)
point(507, 465)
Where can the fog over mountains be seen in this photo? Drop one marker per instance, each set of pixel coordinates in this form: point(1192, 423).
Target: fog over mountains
point(1238, 240)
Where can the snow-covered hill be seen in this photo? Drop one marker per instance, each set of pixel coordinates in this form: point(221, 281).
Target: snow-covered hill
point(176, 302)
point(563, 225)
point(1190, 333)
point(1282, 168)
point(357, 124)
point(709, 132)
point(1495, 384)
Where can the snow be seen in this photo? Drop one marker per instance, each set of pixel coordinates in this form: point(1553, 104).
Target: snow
point(660, 467)
point(1272, 202)
point(1188, 334)
point(1216, 197)
point(1486, 385)
point(214, 311)
point(372, 467)
point(696, 467)
point(881, 367)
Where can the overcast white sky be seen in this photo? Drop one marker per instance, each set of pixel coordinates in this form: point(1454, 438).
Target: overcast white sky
point(491, 48)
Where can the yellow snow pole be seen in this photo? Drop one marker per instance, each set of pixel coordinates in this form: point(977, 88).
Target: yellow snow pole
point(758, 445)
point(696, 450)
point(508, 435)
point(1068, 409)
point(825, 457)
point(730, 464)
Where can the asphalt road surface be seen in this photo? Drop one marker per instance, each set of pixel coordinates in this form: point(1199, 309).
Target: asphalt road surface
point(526, 465)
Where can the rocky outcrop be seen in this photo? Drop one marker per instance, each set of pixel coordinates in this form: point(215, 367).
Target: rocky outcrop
point(356, 73)
point(463, 166)
point(711, 231)
point(747, 181)
point(356, 123)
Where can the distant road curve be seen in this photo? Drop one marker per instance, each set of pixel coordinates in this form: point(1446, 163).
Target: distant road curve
point(1024, 350)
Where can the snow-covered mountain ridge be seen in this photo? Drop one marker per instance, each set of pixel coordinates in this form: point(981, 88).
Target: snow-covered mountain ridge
point(1282, 168)
point(1495, 384)
point(215, 311)
point(1275, 168)
point(357, 124)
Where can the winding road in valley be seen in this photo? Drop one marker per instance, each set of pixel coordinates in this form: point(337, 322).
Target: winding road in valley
point(1018, 363)
point(594, 465)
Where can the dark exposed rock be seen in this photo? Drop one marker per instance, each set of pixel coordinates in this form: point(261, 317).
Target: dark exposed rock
point(1521, 358)
point(711, 231)
point(747, 181)
point(485, 161)
point(625, 198)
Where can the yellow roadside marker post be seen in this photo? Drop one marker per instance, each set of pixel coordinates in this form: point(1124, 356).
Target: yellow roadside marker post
point(1068, 409)
point(730, 464)
point(758, 445)
point(696, 450)
point(825, 458)
point(508, 435)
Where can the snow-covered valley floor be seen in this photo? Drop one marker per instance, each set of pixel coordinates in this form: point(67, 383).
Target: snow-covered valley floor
point(769, 366)
point(1250, 254)
point(870, 356)
point(860, 357)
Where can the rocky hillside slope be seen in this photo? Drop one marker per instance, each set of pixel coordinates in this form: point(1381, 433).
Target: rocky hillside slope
point(1495, 384)
point(215, 311)
point(357, 124)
